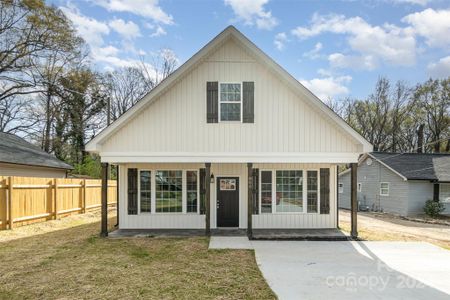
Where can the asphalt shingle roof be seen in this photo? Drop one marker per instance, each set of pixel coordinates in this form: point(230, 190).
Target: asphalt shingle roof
point(16, 150)
point(418, 166)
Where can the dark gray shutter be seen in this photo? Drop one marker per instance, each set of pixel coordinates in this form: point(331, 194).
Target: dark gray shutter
point(202, 191)
point(248, 101)
point(255, 178)
point(325, 191)
point(436, 192)
point(132, 191)
point(212, 102)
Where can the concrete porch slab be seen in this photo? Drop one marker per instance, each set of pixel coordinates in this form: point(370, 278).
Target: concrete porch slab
point(333, 234)
point(230, 242)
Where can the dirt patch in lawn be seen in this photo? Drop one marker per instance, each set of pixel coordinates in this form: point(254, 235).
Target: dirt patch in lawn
point(73, 263)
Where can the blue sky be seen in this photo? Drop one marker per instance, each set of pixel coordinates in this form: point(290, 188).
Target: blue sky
point(335, 48)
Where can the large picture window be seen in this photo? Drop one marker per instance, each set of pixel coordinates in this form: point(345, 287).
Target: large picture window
point(230, 101)
point(266, 192)
point(312, 191)
point(145, 190)
point(191, 191)
point(169, 191)
point(289, 187)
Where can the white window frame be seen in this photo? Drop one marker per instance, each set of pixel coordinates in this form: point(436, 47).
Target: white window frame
point(230, 102)
point(381, 189)
point(139, 191)
point(304, 191)
point(340, 188)
point(153, 191)
point(441, 195)
point(359, 187)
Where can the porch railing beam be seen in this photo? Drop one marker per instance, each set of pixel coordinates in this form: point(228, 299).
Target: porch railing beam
point(104, 221)
point(249, 200)
point(354, 200)
point(208, 199)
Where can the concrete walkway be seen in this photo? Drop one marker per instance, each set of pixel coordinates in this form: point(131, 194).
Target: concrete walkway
point(349, 270)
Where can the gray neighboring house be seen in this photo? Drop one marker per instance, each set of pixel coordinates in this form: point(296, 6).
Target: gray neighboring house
point(21, 158)
point(398, 183)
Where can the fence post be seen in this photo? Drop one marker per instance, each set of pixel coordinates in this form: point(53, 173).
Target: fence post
point(55, 199)
point(83, 200)
point(10, 202)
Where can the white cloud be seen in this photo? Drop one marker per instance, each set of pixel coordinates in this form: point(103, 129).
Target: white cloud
point(128, 30)
point(433, 25)
point(252, 12)
point(145, 8)
point(315, 52)
point(280, 40)
point(159, 31)
point(328, 87)
point(415, 2)
point(440, 69)
point(90, 29)
point(341, 61)
point(390, 43)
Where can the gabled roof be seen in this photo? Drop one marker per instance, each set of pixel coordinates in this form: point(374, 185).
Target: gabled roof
point(95, 144)
point(15, 150)
point(417, 166)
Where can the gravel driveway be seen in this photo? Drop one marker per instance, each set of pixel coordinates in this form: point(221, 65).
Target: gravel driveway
point(390, 225)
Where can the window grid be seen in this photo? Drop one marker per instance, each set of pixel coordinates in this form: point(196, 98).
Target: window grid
point(191, 191)
point(312, 191)
point(266, 191)
point(289, 191)
point(384, 189)
point(169, 195)
point(145, 190)
point(230, 101)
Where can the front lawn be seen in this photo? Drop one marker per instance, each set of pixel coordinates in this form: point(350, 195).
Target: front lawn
point(74, 263)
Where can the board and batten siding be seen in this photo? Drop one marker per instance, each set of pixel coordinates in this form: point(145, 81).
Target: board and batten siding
point(283, 121)
point(197, 221)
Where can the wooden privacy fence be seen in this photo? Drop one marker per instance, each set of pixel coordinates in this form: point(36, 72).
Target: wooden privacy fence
point(25, 200)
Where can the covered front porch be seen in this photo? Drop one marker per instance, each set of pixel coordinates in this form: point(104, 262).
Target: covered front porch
point(260, 200)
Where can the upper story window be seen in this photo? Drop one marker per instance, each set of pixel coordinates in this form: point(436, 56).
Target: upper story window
point(230, 101)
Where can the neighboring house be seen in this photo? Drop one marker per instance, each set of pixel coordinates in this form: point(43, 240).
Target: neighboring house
point(230, 139)
point(20, 158)
point(399, 183)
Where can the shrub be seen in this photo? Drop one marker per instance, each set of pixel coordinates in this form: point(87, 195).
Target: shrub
point(433, 208)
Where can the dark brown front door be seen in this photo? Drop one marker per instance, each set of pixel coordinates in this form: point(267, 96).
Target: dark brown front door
point(228, 202)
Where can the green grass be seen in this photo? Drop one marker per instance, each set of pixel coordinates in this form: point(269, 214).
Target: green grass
point(75, 263)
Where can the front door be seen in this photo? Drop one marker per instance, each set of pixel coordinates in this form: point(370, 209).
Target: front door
point(228, 202)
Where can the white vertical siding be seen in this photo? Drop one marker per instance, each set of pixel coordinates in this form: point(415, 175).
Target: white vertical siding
point(196, 221)
point(284, 122)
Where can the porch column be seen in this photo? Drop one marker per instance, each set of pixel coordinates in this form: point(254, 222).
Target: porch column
point(249, 199)
point(104, 222)
point(208, 199)
point(354, 200)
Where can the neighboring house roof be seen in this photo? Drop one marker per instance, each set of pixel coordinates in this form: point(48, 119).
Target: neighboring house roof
point(95, 144)
point(15, 150)
point(414, 166)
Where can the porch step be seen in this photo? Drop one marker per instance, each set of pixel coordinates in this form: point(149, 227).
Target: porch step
point(228, 232)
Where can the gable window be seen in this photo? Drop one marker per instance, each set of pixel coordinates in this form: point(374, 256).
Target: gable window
point(169, 191)
point(145, 190)
point(230, 102)
point(341, 187)
point(191, 191)
point(289, 196)
point(384, 188)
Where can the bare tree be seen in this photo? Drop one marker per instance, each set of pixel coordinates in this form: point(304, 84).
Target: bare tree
point(15, 115)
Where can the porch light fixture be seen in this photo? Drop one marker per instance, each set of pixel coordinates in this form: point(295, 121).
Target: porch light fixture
point(212, 178)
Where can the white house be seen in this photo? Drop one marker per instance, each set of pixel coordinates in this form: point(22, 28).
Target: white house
point(230, 139)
